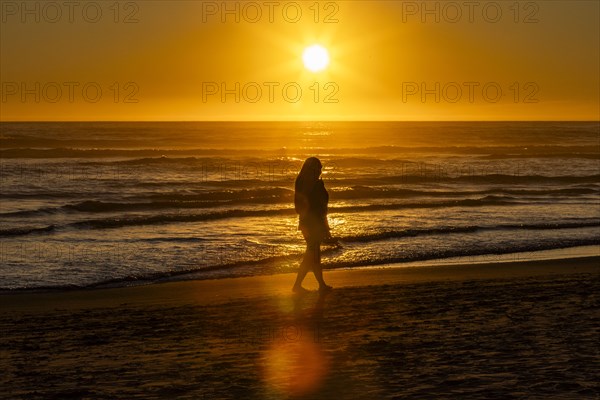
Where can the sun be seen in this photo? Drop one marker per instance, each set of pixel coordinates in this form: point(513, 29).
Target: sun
point(315, 58)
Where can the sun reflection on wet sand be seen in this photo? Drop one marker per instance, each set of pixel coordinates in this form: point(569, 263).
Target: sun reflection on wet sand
point(295, 363)
point(295, 367)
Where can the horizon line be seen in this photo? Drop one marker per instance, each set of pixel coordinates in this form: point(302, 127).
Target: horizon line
point(300, 121)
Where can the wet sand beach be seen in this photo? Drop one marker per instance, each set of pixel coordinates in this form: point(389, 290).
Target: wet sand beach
point(498, 330)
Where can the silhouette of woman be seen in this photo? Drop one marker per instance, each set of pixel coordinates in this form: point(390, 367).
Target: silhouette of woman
point(310, 201)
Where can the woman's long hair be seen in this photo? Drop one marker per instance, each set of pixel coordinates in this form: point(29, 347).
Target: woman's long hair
point(309, 174)
point(307, 177)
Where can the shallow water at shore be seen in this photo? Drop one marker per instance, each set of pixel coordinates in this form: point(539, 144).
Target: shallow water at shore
point(87, 204)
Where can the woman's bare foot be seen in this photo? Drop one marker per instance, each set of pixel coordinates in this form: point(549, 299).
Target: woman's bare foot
point(325, 288)
point(299, 290)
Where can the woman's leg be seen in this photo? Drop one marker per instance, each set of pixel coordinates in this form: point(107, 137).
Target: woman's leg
point(302, 271)
point(307, 262)
point(311, 261)
point(318, 269)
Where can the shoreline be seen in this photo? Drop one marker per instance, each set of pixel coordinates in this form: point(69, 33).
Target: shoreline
point(224, 290)
point(191, 276)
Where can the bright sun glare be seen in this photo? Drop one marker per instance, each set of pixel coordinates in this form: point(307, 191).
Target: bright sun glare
point(315, 58)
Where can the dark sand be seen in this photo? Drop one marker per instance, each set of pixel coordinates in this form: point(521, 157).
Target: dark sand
point(499, 331)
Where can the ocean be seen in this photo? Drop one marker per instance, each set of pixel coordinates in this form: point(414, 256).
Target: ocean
point(88, 204)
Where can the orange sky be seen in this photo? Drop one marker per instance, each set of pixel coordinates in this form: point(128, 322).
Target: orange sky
point(158, 60)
